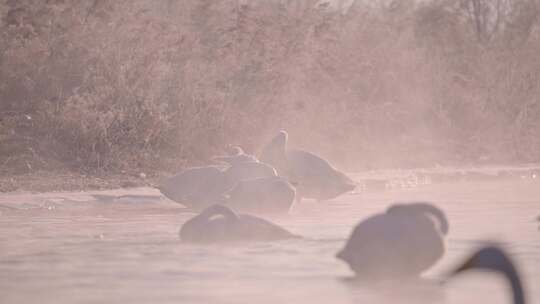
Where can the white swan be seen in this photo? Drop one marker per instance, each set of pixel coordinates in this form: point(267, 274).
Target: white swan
point(315, 177)
point(493, 258)
point(402, 242)
point(248, 170)
point(218, 223)
point(196, 188)
point(263, 196)
point(200, 187)
point(236, 156)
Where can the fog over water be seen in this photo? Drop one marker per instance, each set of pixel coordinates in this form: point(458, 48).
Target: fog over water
point(122, 94)
point(122, 246)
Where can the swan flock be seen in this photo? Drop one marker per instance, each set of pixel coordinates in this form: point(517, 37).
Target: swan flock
point(233, 198)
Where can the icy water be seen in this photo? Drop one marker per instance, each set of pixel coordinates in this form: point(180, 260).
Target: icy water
point(122, 247)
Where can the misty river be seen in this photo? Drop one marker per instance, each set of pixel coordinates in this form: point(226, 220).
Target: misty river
point(122, 246)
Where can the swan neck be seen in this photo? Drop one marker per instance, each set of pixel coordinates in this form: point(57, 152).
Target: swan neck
point(517, 288)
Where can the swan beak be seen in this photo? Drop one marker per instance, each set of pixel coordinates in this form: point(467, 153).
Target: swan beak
point(467, 265)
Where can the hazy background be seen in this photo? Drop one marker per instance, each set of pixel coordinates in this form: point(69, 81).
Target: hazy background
point(122, 84)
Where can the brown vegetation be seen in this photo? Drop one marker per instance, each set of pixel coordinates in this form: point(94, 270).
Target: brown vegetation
point(146, 85)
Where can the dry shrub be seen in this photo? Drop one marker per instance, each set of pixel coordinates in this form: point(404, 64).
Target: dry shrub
point(122, 85)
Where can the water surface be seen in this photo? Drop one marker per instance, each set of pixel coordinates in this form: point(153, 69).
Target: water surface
point(122, 246)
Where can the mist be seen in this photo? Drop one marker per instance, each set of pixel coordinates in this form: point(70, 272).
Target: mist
point(269, 151)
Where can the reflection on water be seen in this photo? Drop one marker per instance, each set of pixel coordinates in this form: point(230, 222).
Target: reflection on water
point(122, 246)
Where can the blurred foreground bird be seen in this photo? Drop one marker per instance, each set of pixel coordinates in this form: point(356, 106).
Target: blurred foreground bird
point(402, 242)
point(493, 258)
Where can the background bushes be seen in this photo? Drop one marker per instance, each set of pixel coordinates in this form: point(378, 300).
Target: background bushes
point(116, 85)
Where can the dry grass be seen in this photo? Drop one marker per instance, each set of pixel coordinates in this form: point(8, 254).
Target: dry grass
point(143, 85)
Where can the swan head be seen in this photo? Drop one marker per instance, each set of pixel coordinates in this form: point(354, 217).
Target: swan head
point(494, 258)
point(490, 258)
